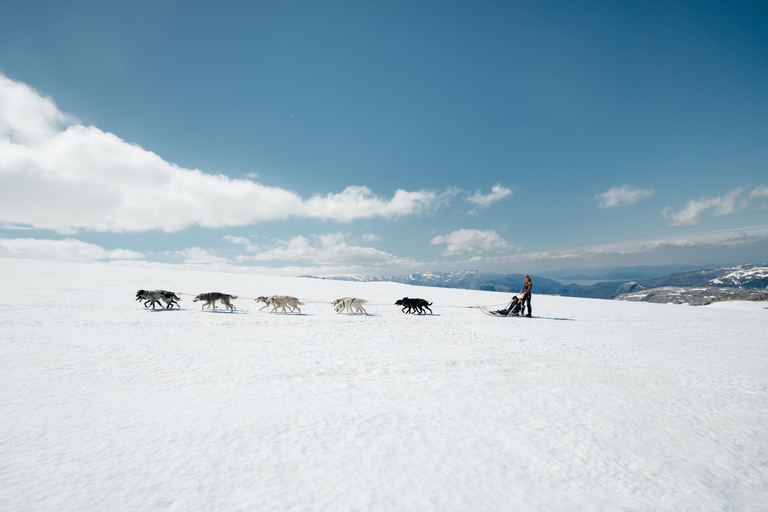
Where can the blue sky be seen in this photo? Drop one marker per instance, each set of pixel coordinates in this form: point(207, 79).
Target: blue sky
point(384, 137)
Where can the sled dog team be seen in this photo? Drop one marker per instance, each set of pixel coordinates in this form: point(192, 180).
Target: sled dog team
point(349, 304)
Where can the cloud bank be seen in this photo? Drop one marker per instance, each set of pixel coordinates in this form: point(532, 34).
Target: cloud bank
point(58, 174)
point(61, 250)
point(329, 249)
point(335, 254)
point(697, 211)
point(741, 244)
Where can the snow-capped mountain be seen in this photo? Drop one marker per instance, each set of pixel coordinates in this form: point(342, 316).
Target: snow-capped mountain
point(739, 276)
point(744, 276)
point(692, 295)
point(701, 286)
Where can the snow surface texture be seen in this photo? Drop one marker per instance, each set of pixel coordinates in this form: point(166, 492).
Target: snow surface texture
point(591, 405)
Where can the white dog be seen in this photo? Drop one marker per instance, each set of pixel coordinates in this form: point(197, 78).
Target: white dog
point(337, 302)
point(281, 301)
point(349, 304)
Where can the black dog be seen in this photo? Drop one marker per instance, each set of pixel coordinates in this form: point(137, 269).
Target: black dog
point(406, 303)
point(417, 305)
point(155, 296)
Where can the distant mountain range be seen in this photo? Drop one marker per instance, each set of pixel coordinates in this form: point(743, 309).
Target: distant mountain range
point(693, 296)
point(735, 279)
point(466, 279)
point(701, 286)
point(739, 276)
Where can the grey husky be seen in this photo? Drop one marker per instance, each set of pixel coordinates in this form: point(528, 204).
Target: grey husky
point(210, 299)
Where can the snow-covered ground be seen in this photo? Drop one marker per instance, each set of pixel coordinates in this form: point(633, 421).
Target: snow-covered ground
point(591, 405)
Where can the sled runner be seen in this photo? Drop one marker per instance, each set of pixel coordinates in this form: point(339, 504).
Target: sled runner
point(491, 313)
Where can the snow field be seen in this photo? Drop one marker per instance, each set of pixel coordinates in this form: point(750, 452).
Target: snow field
point(594, 405)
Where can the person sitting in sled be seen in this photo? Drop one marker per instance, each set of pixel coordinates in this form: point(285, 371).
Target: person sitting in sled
point(513, 308)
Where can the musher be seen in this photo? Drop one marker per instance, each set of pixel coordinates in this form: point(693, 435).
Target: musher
point(526, 293)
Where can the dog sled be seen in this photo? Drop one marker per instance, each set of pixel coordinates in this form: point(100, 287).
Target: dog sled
point(485, 311)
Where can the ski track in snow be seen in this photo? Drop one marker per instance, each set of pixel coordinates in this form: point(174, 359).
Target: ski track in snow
point(592, 405)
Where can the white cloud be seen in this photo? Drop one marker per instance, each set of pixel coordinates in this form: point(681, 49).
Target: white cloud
point(358, 202)
point(26, 116)
point(330, 249)
point(497, 194)
point(698, 210)
point(739, 237)
point(622, 196)
point(471, 240)
point(196, 255)
point(680, 243)
point(61, 250)
point(759, 192)
point(445, 198)
point(370, 237)
point(12, 227)
point(60, 175)
point(238, 240)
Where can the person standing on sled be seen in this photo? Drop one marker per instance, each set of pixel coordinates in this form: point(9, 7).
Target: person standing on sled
point(513, 308)
point(526, 293)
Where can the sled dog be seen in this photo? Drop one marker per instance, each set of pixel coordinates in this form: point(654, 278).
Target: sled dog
point(280, 301)
point(155, 296)
point(411, 305)
point(210, 299)
point(337, 302)
point(349, 304)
